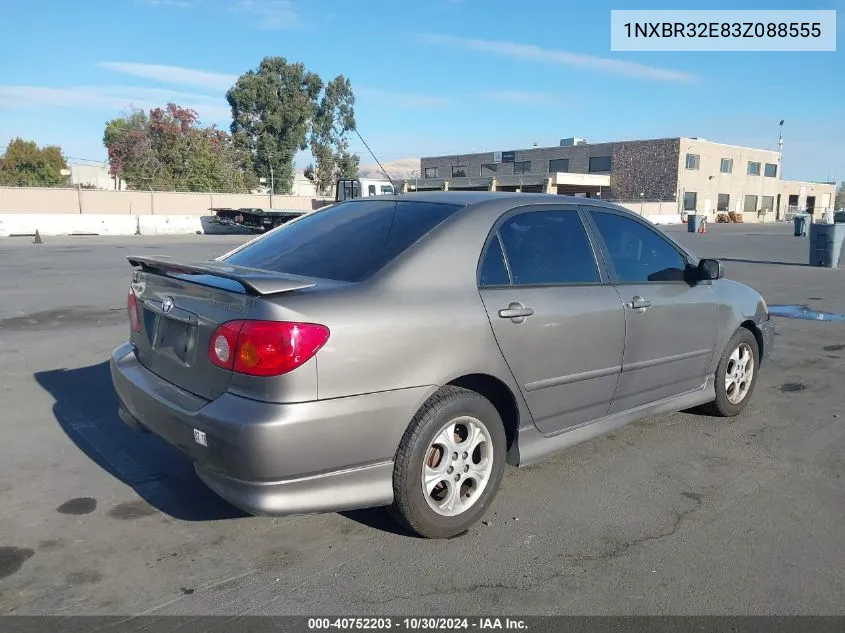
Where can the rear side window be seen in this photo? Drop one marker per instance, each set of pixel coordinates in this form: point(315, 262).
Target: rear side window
point(347, 242)
point(493, 269)
point(548, 247)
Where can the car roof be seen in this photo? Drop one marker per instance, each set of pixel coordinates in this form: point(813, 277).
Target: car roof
point(468, 198)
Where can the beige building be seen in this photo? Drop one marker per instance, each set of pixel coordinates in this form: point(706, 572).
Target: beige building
point(656, 176)
point(716, 178)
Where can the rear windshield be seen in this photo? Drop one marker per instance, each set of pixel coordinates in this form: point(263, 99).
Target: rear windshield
point(347, 242)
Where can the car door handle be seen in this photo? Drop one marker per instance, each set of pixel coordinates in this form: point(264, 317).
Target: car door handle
point(638, 304)
point(516, 311)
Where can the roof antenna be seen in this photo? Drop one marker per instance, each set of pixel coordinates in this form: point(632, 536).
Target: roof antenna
point(383, 170)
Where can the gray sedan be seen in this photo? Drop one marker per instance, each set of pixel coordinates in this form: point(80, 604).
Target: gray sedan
point(399, 351)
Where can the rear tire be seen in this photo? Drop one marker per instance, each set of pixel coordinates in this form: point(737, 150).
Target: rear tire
point(449, 464)
point(736, 375)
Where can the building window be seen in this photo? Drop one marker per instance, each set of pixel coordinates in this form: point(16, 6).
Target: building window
point(693, 161)
point(522, 167)
point(459, 172)
point(727, 166)
point(489, 169)
point(690, 200)
point(599, 163)
point(771, 170)
point(750, 204)
point(753, 168)
point(430, 172)
point(768, 204)
point(724, 202)
point(558, 165)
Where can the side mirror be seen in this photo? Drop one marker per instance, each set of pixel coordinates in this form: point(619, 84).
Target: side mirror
point(709, 269)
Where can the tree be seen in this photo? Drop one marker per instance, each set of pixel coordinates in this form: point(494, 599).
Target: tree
point(169, 150)
point(334, 119)
point(26, 165)
point(839, 203)
point(282, 108)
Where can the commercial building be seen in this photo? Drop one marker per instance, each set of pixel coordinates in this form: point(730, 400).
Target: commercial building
point(666, 176)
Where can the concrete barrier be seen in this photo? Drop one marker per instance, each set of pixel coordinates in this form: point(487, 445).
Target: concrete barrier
point(61, 224)
point(47, 224)
point(665, 218)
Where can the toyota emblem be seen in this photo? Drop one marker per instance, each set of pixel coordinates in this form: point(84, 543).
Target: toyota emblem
point(167, 305)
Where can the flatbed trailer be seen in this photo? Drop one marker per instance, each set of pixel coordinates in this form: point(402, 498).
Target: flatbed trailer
point(255, 219)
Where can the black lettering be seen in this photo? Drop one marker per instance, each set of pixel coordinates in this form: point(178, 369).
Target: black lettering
point(641, 30)
point(793, 30)
point(653, 30)
point(748, 26)
point(736, 28)
point(805, 29)
point(679, 29)
point(628, 26)
point(759, 29)
point(667, 29)
point(714, 30)
point(817, 31)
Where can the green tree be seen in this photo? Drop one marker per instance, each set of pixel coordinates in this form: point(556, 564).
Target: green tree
point(272, 110)
point(839, 203)
point(27, 165)
point(333, 120)
point(167, 149)
point(281, 108)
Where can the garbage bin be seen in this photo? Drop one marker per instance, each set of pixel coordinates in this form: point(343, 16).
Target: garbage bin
point(694, 222)
point(826, 244)
point(800, 221)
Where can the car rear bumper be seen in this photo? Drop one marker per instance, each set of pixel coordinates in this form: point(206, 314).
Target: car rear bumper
point(275, 459)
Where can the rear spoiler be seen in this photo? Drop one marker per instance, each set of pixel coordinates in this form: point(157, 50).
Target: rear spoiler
point(256, 281)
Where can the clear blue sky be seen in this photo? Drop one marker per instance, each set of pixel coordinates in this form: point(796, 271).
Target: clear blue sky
point(431, 77)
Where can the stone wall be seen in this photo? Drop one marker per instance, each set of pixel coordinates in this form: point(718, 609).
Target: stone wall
point(647, 167)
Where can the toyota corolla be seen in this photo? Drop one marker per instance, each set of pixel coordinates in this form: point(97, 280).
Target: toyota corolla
point(400, 351)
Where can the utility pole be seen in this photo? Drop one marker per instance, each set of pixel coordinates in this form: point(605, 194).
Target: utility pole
point(272, 182)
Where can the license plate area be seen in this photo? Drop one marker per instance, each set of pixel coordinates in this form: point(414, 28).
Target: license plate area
point(173, 334)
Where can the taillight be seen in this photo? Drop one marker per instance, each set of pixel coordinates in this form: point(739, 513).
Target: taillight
point(134, 313)
point(265, 348)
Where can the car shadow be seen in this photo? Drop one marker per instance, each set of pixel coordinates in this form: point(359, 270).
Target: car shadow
point(378, 519)
point(86, 409)
point(761, 261)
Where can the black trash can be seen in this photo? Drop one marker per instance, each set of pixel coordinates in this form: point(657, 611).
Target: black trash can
point(826, 244)
point(800, 221)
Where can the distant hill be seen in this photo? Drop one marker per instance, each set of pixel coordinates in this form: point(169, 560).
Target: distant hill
point(399, 169)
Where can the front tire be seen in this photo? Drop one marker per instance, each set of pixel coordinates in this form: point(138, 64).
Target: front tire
point(449, 464)
point(736, 375)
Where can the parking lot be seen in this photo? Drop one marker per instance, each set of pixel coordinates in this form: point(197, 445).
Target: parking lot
point(679, 514)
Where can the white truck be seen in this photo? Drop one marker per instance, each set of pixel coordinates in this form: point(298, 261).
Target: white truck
point(350, 188)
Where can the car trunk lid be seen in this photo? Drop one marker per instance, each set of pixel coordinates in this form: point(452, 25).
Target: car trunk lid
point(181, 304)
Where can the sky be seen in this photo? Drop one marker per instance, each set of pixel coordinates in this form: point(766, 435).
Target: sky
point(431, 77)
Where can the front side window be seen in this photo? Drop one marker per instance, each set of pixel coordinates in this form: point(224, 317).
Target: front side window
point(489, 169)
point(692, 161)
point(690, 200)
point(349, 241)
point(768, 203)
point(430, 172)
point(724, 202)
point(753, 168)
point(727, 165)
point(638, 254)
point(548, 247)
point(459, 172)
point(771, 170)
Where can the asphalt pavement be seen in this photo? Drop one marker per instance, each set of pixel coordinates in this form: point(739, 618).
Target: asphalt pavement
point(678, 514)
